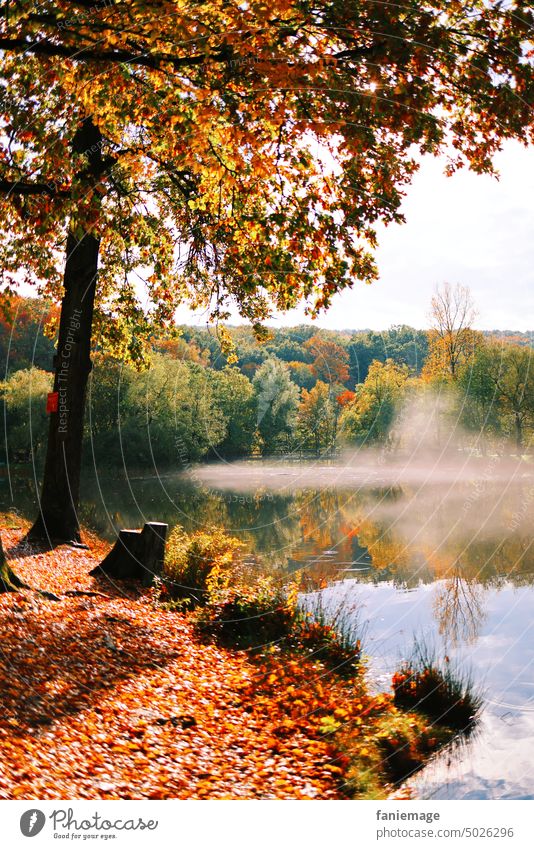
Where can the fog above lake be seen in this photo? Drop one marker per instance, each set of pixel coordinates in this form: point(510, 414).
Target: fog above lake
point(363, 469)
point(426, 447)
point(439, 498)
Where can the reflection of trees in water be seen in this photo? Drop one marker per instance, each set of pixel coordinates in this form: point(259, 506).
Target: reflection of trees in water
point(491, 562)
point(317, 518)
point(465, 562)
point(108, 505)
point(458, 608)
point(404, 535)
point(271, 526)
point(320, 517)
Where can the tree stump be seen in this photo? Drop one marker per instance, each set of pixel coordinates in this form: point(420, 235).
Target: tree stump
point(137, 555)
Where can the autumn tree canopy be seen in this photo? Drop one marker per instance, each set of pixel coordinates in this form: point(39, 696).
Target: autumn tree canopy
point(500, 379)
point(317, 418)
point(247, 148)
point(331, 361)
point(371, 413)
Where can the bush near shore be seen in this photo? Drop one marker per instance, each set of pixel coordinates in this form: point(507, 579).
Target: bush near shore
point(311, 666)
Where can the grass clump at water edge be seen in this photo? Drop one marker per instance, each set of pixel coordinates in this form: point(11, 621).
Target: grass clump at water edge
point(442, 692)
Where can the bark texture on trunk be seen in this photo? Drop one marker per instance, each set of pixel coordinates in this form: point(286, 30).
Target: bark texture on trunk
point(518, 432)
point(58, 517)
point(8, 580)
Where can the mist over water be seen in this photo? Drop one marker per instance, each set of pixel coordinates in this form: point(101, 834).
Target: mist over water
point(365, 468)
point(427, 446)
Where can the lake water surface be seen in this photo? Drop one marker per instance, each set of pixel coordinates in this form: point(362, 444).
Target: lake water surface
point(440, 551)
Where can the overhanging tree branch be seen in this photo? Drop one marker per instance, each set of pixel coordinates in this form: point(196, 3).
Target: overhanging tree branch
point(81, 54)
point(17, 187)
point(155, 61)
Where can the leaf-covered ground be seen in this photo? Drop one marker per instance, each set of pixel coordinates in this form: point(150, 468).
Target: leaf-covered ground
point(109, 696)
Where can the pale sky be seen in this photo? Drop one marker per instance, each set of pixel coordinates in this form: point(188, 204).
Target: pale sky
point(469, 229)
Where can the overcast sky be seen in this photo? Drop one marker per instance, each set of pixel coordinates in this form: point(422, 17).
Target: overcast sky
point(468, 229)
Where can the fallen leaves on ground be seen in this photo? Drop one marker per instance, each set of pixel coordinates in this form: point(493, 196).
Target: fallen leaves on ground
point(110, 698)
point(106, 695)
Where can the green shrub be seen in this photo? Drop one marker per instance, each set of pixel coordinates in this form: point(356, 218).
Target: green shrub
point(191, 559)
point(320, 639)
point(248, 615)
point(242, 607)
point(405, 742)
point(26, 422)
point(252, 611)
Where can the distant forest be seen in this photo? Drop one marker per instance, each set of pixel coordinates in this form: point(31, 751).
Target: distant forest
point(300, 389)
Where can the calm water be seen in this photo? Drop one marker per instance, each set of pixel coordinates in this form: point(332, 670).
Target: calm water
point(438, 551)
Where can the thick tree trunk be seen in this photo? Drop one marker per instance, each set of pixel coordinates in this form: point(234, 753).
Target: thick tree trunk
point(518, 433)
point(58, 519)
point(8, 580)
